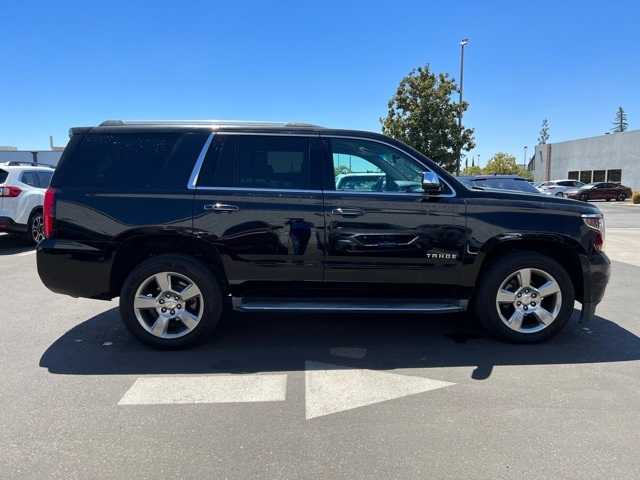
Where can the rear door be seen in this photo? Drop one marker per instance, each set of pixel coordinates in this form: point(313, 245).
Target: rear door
point(258, 199)
point(389, 232)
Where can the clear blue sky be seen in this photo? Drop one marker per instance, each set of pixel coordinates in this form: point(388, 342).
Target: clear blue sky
point(335, 63)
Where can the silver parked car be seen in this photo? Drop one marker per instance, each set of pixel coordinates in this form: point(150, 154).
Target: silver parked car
point(560, 188)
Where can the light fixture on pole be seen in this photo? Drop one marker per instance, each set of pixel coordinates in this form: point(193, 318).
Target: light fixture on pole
point(463, 43)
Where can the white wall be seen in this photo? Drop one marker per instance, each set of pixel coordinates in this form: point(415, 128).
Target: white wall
point(605, 152)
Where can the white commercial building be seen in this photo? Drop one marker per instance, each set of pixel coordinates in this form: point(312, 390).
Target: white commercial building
point(613, 158)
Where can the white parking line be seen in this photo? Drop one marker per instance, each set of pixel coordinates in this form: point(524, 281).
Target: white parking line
point(206, 389)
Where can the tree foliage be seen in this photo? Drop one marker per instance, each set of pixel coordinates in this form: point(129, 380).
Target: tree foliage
point(472, 170)
point(543, 137)
point(620, 124)
point(505, 164)
point(423, 115)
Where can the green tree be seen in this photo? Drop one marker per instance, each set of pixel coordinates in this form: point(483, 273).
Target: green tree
point(340, 170)
point(472, 170)
point(423, 114)
point(620, 124)
point(503, 164)
point(543, 137)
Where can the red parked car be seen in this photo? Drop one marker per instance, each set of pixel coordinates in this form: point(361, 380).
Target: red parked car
point(601, 191)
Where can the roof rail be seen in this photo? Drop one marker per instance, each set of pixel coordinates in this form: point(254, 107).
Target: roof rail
point(16, 163)
point(219, 123)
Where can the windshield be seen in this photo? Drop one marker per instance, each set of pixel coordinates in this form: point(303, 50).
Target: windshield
point(501, 183)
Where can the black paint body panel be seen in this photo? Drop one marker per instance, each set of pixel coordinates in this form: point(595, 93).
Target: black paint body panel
point(294, 241)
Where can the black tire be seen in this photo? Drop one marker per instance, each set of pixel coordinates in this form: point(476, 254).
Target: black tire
point(493, 276)
point(622, 197)
point(204, 279)
point(36, 222)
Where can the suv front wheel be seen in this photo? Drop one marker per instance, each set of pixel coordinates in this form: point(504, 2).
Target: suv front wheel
point(524, 297)
point(171, 301)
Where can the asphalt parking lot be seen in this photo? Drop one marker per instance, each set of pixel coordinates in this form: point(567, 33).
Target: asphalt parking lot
point(311, 396)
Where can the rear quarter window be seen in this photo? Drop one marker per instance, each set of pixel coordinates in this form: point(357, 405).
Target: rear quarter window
point(3, 176)
point(131, 161)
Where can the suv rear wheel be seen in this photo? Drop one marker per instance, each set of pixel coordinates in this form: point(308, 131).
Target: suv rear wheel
point(171, 301)
point(526, 297)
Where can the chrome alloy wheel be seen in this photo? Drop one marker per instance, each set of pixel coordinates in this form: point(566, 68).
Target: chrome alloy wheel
point(168, 305)
point(37, 229)
point(529, 300)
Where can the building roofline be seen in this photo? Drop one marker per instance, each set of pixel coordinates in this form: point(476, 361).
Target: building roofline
point(594, 136)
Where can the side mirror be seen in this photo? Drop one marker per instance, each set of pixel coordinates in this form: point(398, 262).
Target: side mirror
point(430, 183)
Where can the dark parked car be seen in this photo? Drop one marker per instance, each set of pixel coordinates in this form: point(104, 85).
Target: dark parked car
point(501, 182)
point(601, 191)
point(183, 219)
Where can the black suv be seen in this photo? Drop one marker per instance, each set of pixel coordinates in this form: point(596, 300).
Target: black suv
point(181, 218)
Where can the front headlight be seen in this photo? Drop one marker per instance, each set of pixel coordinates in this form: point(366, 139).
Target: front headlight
point(595, 221)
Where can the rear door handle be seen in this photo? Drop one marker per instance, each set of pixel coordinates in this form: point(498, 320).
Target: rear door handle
point(348, 212)
point(221, 207)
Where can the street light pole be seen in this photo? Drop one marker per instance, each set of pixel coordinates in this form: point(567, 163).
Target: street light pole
point(463, 43)
point(524, 162)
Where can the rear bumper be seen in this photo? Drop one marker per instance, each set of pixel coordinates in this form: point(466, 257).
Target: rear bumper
point(8, 225)
point(75, 269)
point(596, 269)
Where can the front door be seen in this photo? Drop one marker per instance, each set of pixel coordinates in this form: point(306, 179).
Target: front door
point(259, 202)
point(381, 227)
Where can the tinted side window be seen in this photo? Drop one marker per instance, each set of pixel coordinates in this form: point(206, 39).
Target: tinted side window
point(30, 178)
point(218, 167)
point(273, 162)
point(132, 160)
point(44, 179)
point(3, 175)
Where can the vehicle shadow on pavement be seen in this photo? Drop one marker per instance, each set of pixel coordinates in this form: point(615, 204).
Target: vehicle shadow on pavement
point(12, 244)
point(250, 343)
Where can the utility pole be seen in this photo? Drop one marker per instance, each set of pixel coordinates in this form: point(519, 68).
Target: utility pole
point(463, 43)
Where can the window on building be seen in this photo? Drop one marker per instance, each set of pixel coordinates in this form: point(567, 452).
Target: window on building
point(614, 176)
point(585, 176)
point(599, 176)
point(574, 175)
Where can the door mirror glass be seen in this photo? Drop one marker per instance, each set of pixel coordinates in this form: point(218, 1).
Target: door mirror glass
point(430, 183)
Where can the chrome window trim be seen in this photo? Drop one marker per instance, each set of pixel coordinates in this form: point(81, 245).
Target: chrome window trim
point(350, 137)
point(195, 173)
point(193, 179)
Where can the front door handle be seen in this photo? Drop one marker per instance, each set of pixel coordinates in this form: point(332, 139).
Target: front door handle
point(348, 212)
point(221, 207)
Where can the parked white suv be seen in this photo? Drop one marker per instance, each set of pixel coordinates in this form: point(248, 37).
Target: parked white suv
point(22, 188)
point(559, 188)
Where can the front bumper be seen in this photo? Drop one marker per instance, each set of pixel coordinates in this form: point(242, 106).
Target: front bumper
point(596, 269)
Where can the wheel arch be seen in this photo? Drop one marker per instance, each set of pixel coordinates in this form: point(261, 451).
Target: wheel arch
point(138, 248)
point(563, 250)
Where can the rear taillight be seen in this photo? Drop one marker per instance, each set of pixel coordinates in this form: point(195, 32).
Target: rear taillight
point(49, 208)
point(10, 191)
point(596, 222)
